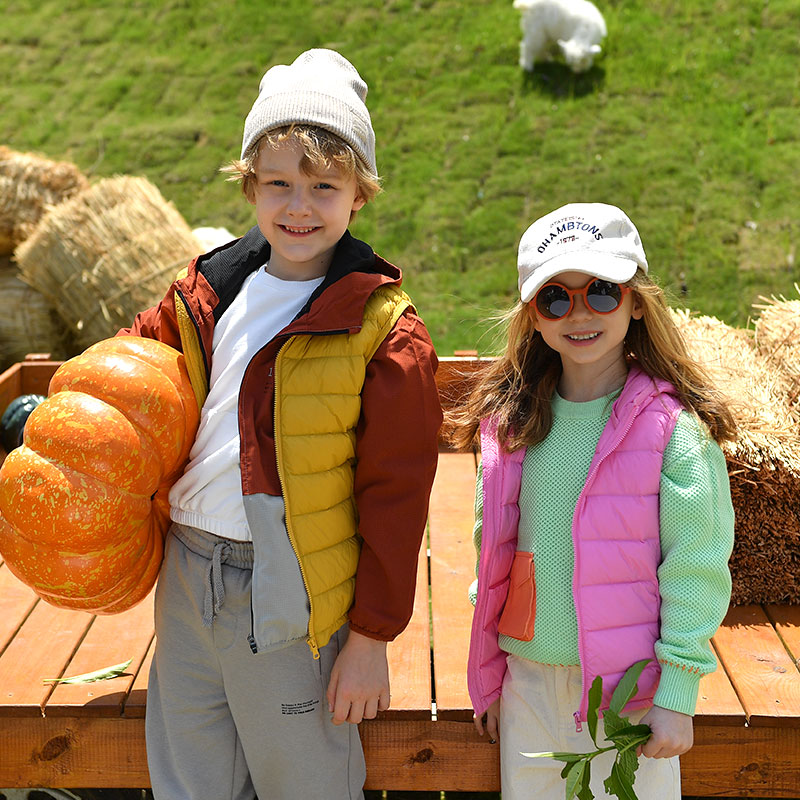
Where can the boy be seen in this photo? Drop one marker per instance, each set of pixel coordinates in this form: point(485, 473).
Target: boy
point(297, 522)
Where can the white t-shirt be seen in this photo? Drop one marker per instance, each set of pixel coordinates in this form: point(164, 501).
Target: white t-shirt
point(209, 493)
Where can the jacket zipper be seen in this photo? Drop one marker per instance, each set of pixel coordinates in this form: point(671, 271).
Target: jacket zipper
point(581, 499)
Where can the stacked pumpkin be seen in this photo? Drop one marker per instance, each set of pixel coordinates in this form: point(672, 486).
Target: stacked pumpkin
point(84, 501)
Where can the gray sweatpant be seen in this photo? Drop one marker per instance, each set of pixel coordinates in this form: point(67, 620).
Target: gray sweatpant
point(224, 723)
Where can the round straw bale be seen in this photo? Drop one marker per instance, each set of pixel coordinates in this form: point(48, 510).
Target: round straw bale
point(29, 185)
point(763, 461)
point(777, 335)
point(107, 254)
point(28, 323)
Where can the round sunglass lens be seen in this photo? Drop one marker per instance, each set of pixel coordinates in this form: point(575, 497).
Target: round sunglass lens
point(603, 296)
point(553, 302)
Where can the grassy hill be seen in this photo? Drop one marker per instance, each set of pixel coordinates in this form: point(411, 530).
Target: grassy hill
point(688, 121)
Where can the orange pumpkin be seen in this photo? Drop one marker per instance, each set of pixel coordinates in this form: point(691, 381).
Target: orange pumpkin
point(83, 502)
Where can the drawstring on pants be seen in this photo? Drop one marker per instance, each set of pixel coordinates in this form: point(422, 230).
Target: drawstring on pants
point(214, 595)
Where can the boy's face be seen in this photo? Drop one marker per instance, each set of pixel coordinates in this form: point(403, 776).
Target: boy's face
point(301, 216)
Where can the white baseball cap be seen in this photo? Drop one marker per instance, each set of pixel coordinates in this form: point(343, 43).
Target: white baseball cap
point(594, 238)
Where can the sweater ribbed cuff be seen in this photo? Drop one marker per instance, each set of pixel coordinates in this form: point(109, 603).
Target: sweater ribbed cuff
point(677, 689)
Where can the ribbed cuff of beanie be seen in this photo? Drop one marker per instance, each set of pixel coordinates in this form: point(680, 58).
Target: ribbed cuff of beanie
point(678, 688)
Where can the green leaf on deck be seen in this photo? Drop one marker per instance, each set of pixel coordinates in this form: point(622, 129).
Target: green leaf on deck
point(90, 677)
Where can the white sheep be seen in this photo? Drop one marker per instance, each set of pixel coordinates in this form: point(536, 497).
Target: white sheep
point(575, 27)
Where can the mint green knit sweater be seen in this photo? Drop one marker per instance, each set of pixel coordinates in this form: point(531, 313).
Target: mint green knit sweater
point(696, 542)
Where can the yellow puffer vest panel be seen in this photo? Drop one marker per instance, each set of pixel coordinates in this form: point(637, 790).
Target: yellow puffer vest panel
point(318, 382)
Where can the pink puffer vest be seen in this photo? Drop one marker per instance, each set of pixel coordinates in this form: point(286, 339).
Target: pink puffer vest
point(615, 532)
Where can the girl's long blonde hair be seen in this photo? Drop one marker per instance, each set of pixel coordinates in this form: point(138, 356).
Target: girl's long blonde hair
point(516, 389)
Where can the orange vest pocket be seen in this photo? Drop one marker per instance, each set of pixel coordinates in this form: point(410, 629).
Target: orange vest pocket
point(519, 614)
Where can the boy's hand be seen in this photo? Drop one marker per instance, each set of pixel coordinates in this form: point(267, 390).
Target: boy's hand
point(490, 721)
point(673, 733)
point(359, 685)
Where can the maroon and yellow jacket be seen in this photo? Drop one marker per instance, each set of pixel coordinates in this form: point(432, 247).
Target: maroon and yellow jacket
point(396, 435)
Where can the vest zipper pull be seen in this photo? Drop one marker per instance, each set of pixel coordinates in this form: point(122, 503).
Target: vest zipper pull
point(312, 643)
point(252, 642)
point(578, 726)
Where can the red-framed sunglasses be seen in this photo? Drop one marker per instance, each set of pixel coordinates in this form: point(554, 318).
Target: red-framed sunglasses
point(554, 301)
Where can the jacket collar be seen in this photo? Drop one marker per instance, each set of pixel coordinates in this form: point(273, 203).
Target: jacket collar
point(336, 304)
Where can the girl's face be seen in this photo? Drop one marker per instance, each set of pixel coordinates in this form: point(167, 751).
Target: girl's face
point(590, 344)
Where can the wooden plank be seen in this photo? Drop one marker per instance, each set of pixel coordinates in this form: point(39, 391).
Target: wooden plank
point(452, 572)
point(429, 756)
point(10, 385)
point(41, 649)
point(786, 621)
point(111, 640)
point(24, 377)
point(762, 672)
point(16, 603)
point(36, 374)
point(717, 701)
point(71, 753)
point(402, 755)
point(742, 762)
point(410, 654)
point(450, 756)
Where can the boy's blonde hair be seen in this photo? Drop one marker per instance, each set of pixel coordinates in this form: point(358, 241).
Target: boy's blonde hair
point(517, 388)
point(321, 150)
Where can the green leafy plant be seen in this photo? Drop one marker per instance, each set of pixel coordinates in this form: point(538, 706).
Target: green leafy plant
point(624, 738)
point(104, 674)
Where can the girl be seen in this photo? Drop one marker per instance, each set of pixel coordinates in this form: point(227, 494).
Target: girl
point(603, 515)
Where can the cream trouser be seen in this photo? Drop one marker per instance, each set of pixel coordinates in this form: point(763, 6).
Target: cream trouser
point(536, 715)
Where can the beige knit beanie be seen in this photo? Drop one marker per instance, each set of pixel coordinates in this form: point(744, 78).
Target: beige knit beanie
point(320, 87)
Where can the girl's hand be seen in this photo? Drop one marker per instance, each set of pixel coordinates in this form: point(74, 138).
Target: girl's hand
point(489, 722)
point(673, 733)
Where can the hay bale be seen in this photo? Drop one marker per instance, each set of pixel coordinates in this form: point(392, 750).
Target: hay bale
point(29, 186)
point(106, 254)
point(763, 462)
point(776, 335)
point(28, 323)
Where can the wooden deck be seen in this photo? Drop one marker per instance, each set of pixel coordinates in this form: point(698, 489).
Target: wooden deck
point(747, 729)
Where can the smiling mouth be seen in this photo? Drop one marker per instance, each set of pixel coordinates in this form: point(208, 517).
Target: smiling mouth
point(291, 229)
point(582, 337)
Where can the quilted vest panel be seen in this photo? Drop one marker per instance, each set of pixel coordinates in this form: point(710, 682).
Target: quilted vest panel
point(318, 382)
point(617, 541)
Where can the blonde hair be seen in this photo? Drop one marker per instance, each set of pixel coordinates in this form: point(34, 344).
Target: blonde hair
point(516, 389)
point(321, 150)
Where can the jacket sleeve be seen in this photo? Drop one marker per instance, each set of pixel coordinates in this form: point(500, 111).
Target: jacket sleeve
point(397, 451)
point(159, 322)
point(697, 522)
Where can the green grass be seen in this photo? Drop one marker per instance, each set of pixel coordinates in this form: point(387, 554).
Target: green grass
point(688, 121)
